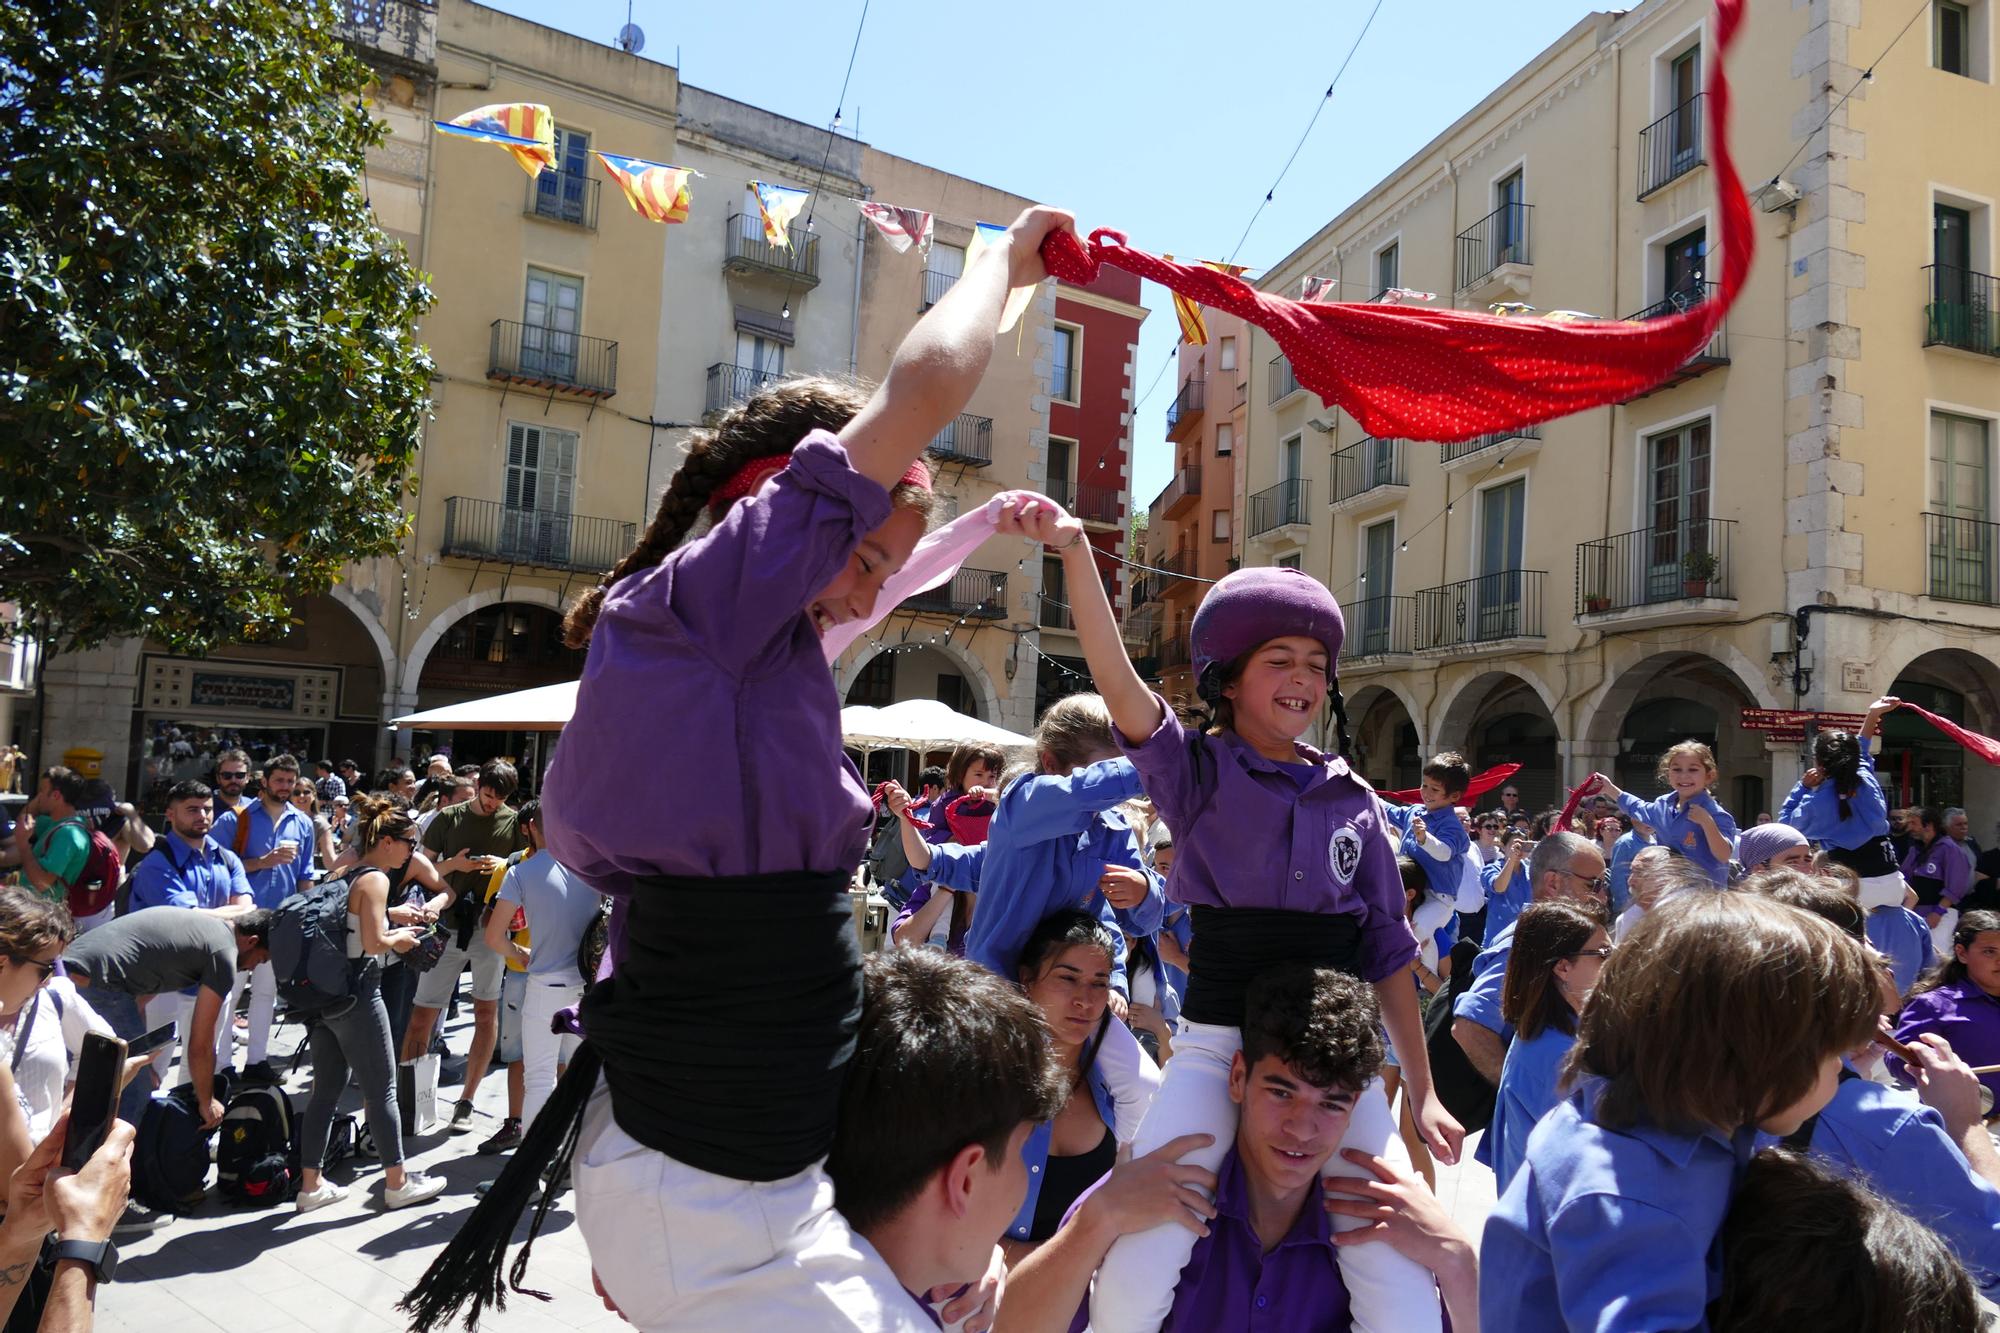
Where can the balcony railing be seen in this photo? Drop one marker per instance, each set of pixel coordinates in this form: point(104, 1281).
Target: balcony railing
point(1283, 382)
point(1187, 406)
point(403, 30)
point(729, 385)
point(1715, 352)
point(1175, 651)
point(936, 284)
point(1282, 504)
point(978, 593)
point(1501, 237)
point(1054, 613)
point(547, 538)
point(1681, 562)
point(1960, 309)
point(1147, 588)
point(1963, 554)
point(1179, 561)
point(1181, 492)
point(968, 439)
point(748, 252)
point(1380, 626)
point(1092, 504)
point(1451, 453)
point(545, 358)
point(1360, 468)
point(1671, 146)
point(564, 196)
point(1503, 605)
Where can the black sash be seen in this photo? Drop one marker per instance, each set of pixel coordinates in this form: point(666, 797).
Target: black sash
point(1235, 945)
point(1871, 858)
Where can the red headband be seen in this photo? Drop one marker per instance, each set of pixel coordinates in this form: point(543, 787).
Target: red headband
point(750, 478)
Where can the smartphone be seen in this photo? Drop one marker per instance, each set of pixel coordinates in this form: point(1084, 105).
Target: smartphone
point(95, 1102)
point(151, 1041)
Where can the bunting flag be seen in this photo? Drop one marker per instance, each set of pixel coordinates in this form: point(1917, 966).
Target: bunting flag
point(900, 226)
point(779, 205)
point(1320, 289)
point(1194, 329)
point(525, 129)
point(1478, 787)
point(1398, 295)
point(655, 190)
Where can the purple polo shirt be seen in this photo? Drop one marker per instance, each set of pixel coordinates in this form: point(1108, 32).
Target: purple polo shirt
point(1963, 1015)
point(706, 682)
point(1250, 834)
point(1943, 861)
point(1230, 1285)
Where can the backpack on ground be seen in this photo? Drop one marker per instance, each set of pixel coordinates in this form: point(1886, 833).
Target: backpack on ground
point(96, 886)
point(170, 1155)
point(257, 1156)
point(309, 949)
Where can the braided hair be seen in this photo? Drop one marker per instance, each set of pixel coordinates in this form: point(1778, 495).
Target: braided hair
point(1837, 754)
point(765, 425)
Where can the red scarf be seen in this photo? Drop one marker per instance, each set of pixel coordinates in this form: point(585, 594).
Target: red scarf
point(1984, 746)
point(1475, 789)
point(1405, 372)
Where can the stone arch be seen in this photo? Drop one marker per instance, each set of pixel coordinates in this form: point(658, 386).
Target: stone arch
point(1663, 697)
point(1603, 710)
point(1376, 714)
point(377, 635)
point(1505, 714)
point(413, 665)
point(1916, 762)
point(1460, 703)
point(975, 673)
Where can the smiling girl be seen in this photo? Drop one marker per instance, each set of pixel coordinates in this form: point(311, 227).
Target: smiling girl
point(1959, 999)
point(1687, 820)
point(1283, 857)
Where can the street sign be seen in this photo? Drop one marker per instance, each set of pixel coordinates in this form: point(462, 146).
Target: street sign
point(1787, 724)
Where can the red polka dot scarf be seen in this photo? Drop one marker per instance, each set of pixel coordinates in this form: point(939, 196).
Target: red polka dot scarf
point(1406, 372)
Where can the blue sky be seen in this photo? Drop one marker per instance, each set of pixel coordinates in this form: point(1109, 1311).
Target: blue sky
point(1167, 121)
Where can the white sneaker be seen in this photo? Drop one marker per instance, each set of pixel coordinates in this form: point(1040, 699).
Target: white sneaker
point(416, 1189)
point(327, 1193)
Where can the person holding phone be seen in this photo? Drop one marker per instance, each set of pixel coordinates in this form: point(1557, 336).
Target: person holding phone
point(468, 841)
point(43, 1022)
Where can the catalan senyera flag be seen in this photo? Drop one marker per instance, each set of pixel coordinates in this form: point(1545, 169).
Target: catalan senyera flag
point(1320, 289)
point(900, 226)
point(525, 129)
point(654, 189)
point(1194, 329)
point(779, 204)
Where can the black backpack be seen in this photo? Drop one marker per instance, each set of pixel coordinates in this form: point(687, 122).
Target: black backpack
point(309, 949)
point(257, 1156)
point(170, 1155)
point(1463, 1089)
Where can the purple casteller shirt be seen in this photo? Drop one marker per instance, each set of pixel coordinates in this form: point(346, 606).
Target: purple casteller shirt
point(1249, 835)
point(1230, 1285)
point(706, 682)
point(1963, 1015)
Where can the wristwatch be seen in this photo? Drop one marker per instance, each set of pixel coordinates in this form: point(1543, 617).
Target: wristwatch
point(101, 1255)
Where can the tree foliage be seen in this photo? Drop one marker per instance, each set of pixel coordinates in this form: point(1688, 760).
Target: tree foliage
point(213, 393)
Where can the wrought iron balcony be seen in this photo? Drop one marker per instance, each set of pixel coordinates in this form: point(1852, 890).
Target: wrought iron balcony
point(1147, 588)
point(1367, 466)
point(1713, 353)
point(1499, 238)
point(1175, 566)
point(936, 284)
point(968, 439)
point(1092, 504)
point(564, 196)
point(1655, 567)
point(1960, 309)
point(546, 538)
point(1054, 613)
point(544, 358)
point(747, 252)
point(1671, 146)
point(1175, 651)
point(1492, 608)
point(1378, 627)
point(1283, 382)
point(402, 31)
point(1962, 555)
point(1279, 506)
point(729, 384)
point(980, 594)
point(1485, 448)
point(1187, 407)
point(1181, 493)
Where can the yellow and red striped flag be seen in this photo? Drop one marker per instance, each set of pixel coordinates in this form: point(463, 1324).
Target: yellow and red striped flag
point(778, 204)
point(1194, 329)
point(654, 189)
point(525, 129)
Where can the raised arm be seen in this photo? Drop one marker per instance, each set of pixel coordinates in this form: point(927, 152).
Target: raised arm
point(1871, 725)
point(942, 360)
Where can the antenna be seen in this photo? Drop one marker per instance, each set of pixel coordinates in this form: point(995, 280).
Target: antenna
point(631, 39)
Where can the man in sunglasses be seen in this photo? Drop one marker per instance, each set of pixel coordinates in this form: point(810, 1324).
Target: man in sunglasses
point(232, 774)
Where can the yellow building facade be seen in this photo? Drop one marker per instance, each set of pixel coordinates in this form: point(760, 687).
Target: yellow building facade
point(1801, 519)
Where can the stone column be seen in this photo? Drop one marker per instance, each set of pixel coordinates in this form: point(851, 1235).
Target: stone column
point(91, 696)
point(1582, 758)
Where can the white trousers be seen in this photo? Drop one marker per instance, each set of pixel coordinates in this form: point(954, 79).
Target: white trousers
point(684, 1249)
point(541, 1049)
point(1134, 1290)
point(263, 1011)
point(178, 1009)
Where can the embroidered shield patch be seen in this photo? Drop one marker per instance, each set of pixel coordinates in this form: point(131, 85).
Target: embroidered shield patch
point(1345, 853)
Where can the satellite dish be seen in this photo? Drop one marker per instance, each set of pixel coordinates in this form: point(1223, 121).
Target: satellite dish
point(631, 39)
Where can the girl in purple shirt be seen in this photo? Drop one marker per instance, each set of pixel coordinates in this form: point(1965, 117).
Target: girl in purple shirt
point(722, 1048)
point(1959, 999)
point(1283, 856)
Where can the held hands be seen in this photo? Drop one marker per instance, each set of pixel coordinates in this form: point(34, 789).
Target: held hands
point(1143, 1192)
point(1039, 519)
point(1124, 887)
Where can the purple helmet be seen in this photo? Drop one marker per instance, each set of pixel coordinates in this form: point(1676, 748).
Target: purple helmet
point(1254, 606)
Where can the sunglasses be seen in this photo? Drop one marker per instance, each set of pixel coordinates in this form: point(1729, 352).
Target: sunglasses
point(237, 776)
point(1603, 951)
point(1602, 883)
point(44, 970)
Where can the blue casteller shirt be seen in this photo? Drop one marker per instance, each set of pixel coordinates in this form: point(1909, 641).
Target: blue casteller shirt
point(1045, 850)
point(1608, 1230)
point(1902, 937)
point(174, 874)
point(1527, 1093)
point(1672, 829)
point(1480, 1001)
point(1890, 1141)
point(273, 884)
point(1442, 832)
point(1629, 845)
point(1505, 901)
point(1035, 1152)
point(1815, 811)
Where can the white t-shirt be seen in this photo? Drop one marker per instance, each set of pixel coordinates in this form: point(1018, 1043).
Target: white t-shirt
point(57, 1021)
point(1626, 920)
